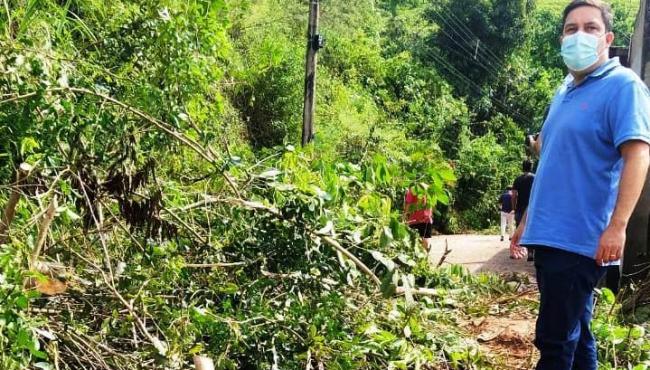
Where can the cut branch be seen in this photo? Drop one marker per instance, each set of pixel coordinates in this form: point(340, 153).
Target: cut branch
point(445, 254)
point(43, 229)
point(205, 153)
point(334, 244)
point(214, 265)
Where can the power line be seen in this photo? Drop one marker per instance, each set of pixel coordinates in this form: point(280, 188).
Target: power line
point(469, 40)
point(468, 82)
point(459, 26)
point(471, 55)
point(467, 30)
point(457, 53)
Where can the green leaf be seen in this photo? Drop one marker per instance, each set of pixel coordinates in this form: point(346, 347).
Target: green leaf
point(390, 265)
point(388, 287)
point(608, 296)
point(229, 288)
point(386, 238)
point(447, 175)
point(619, 335)
point(27, 145)
point(443, 198)
point(384, 337)
point(198, 348)
point(637, 332)
point(22, 302)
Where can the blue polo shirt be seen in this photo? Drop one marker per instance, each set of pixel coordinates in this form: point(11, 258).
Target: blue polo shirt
point(580, 165)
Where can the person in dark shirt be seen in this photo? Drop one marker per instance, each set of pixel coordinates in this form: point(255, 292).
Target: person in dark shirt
point(521, 195)
point(521, 190)
point(507, 212)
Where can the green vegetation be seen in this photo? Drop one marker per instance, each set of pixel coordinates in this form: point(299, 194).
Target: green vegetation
point(169, 211)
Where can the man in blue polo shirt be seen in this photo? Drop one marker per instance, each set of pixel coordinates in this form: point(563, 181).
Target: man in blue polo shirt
point(595, 153)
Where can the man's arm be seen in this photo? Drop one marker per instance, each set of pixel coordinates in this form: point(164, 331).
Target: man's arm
point(517, 251)
point(636, 158)
point(514, 199)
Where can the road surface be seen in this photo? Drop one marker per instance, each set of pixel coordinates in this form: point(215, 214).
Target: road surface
point(479, 253)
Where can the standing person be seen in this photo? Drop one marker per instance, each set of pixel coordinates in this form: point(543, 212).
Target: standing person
point(521, 190)
point(419, 217)
point(595, 153)
point(521, 195)
point(507, 212)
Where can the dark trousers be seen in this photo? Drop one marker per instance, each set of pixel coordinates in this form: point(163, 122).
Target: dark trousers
point(563, 336)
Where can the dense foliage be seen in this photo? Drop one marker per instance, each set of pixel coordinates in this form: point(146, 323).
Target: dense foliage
point(169, 213)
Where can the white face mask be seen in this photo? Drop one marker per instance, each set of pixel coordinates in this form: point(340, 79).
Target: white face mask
point(580, 51)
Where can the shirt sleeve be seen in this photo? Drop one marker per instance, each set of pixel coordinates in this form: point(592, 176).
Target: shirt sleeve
point(629, 114)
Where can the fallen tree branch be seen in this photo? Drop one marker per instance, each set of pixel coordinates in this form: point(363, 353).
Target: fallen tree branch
point(327, 239)
point(334, 244)
point(214, 265)
point(419, 291)
point(445, 254)
point(205, 153)
point(110, 279)
point(43, 229)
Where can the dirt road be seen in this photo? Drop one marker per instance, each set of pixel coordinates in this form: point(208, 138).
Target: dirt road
point(479, 253)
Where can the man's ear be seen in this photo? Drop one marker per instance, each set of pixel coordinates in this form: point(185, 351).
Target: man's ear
point(609, 38)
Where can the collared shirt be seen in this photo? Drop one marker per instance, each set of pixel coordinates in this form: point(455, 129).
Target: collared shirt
point(577, 180)
point(506, 202)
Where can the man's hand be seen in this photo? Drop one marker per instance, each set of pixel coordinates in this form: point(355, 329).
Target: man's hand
point(636, 159)
point(610, 246)
point(517, 251)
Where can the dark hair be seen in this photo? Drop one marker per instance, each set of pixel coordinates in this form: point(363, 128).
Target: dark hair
point(509, 188)
point(527, 166)
point(605, 11)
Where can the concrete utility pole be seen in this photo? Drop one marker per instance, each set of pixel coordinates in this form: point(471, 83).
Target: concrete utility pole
point(314, 43)
point(637, 250)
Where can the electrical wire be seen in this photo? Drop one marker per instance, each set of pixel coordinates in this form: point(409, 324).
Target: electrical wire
point(469, 83)
point(478, 52)
point(463, 27)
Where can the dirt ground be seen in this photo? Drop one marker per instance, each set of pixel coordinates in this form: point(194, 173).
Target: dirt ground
point(507, 336)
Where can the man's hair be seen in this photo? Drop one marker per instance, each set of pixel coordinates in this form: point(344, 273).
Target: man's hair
point(527, 166)
point(509, 188)
point(605, 11)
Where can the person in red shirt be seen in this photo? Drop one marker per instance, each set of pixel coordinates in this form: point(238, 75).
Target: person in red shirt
point(419, 217)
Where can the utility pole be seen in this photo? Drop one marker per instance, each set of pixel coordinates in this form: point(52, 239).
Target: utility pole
point(637, 247)
point(314, 43)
